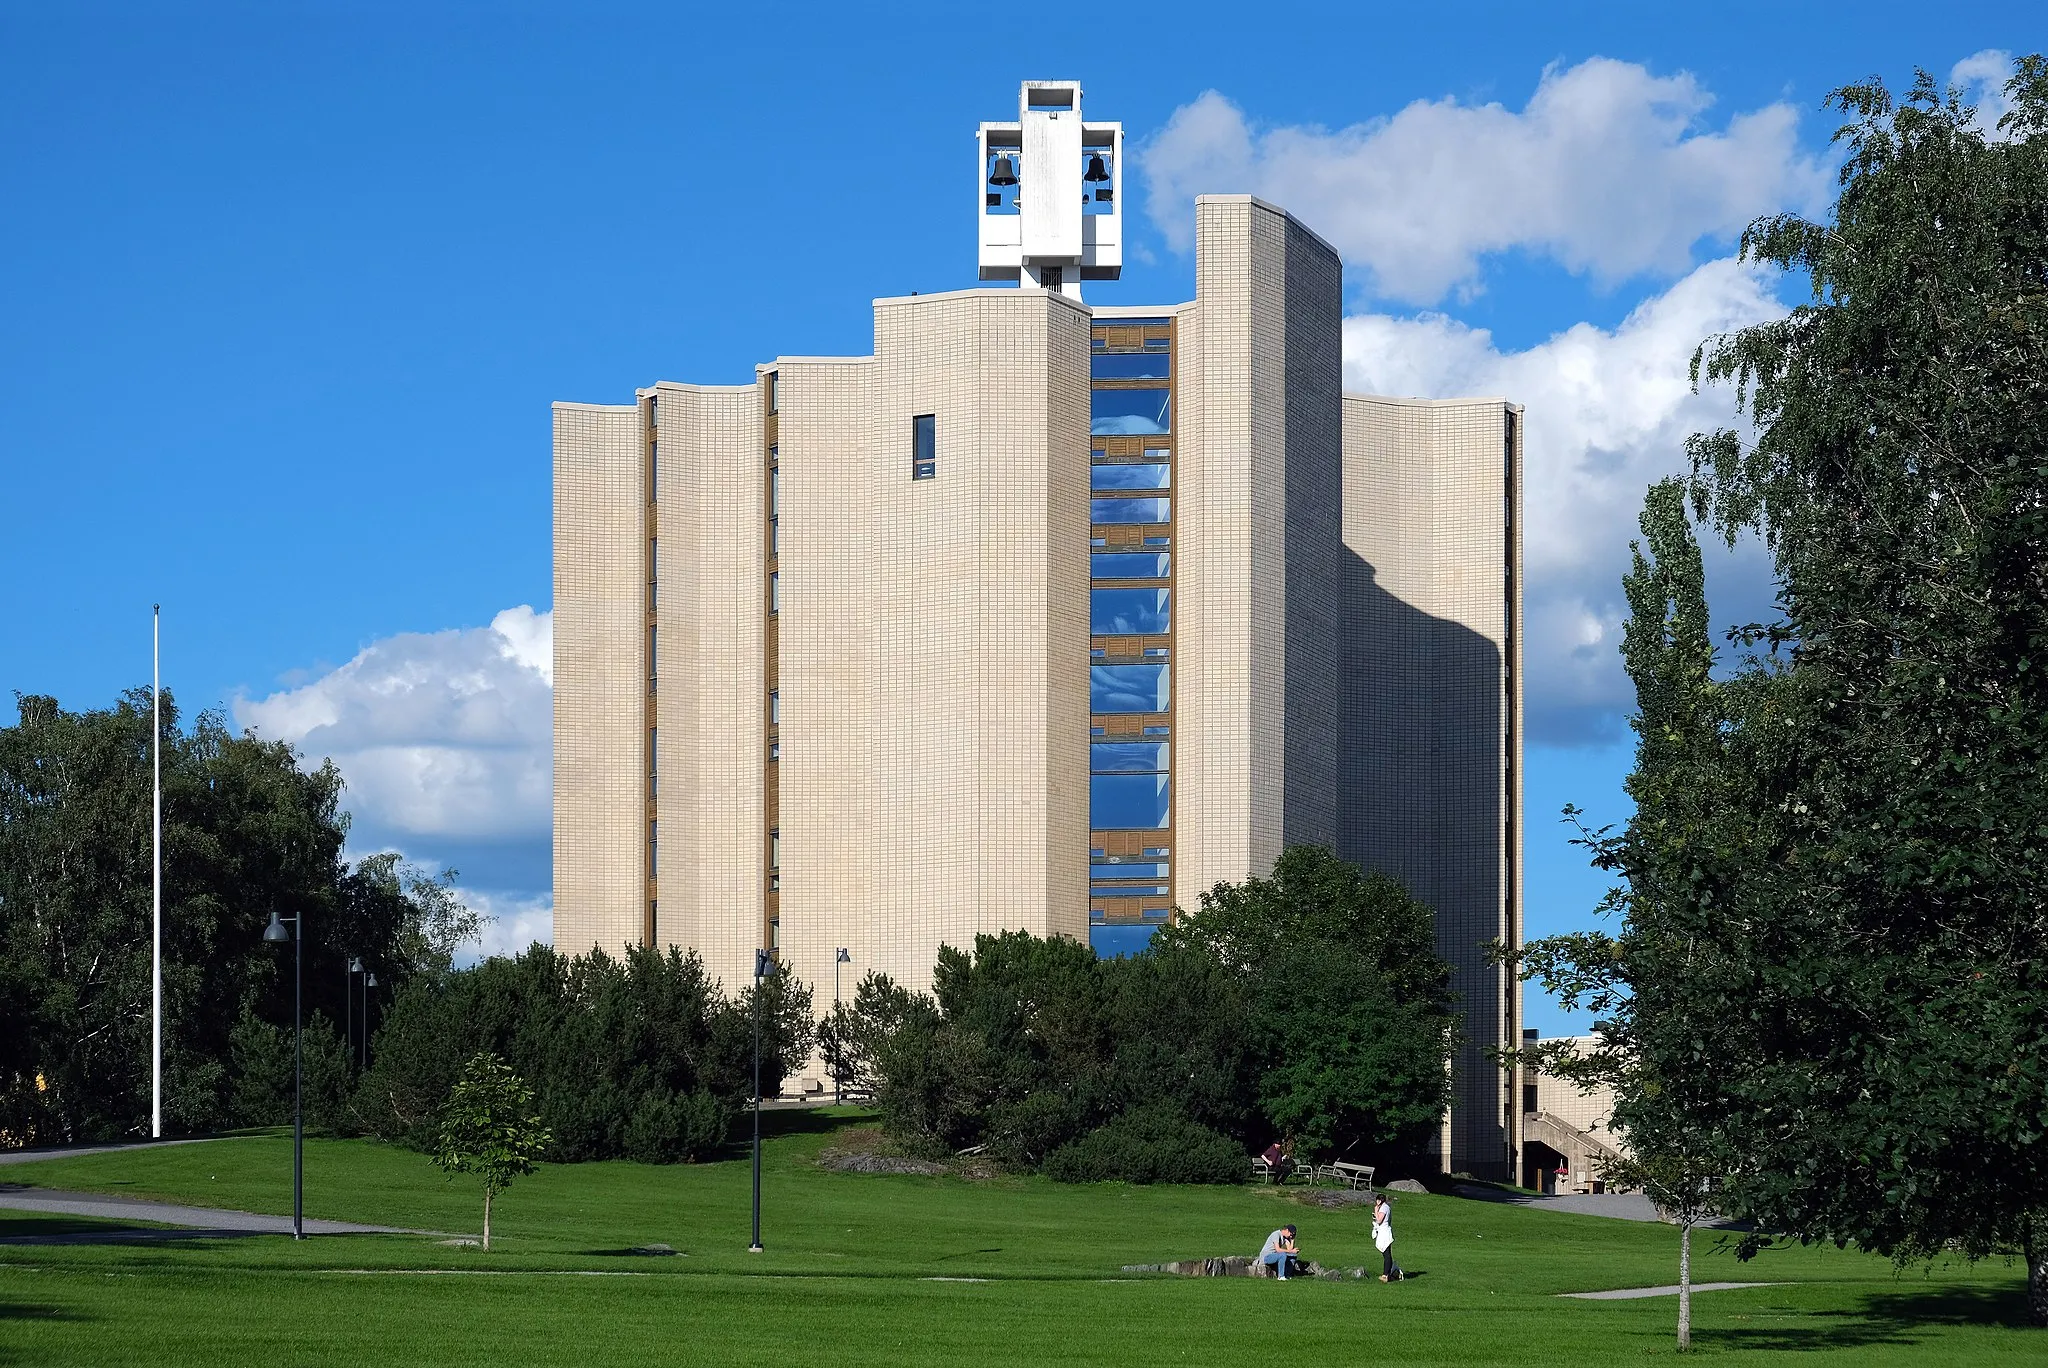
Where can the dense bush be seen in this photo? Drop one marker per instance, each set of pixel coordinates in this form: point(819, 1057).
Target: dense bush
point(641, 1057)
point(1154, 1144)
point(1310, 1005)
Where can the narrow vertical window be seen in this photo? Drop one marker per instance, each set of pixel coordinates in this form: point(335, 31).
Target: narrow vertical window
point(653, 765)
point(653, 573)
point(652, 847)
point(774, 591)
point(774, 707)
point(774, 491)
point(775, 850)
point(924, 446)
point(774, 395)
point(652, 673)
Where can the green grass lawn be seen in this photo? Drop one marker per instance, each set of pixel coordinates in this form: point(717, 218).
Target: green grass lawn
point(863, 1269)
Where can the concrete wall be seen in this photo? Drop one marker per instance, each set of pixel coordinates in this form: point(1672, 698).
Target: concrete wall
point(600, 480)
point(1431, 755)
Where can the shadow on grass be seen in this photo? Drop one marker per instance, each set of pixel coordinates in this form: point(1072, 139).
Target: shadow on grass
point(779, 1123)
point(1881, 1318)
point(11, 1311)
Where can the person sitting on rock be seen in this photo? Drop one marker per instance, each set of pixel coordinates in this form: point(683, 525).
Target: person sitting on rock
point(1280, 1252)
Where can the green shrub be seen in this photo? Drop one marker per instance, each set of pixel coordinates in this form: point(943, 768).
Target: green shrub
point(638, 1057)
point(1153, 1144)
point(676, 1128)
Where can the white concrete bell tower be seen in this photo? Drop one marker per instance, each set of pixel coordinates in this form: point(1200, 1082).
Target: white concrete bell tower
point(1051, 192)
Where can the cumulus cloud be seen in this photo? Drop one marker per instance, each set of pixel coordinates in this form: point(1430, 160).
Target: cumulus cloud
point(443, 737)
point(1981, 77)
point(1608, 412)
point(1607, 170)
point(514, 921)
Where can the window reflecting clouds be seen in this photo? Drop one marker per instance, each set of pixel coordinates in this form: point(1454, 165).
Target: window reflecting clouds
point(1129, 757)
point(1128, 411)
point(1129, 564)
point(1127, 801)
point(1132, 476)
point(1130, 510)
point(1127, 612)
point(1146, 365)
point(1127, 688)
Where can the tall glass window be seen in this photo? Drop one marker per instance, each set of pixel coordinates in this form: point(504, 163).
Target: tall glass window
point(1127, 688)
point(1128, 612)
point(1145, 475)
point(1123, 412)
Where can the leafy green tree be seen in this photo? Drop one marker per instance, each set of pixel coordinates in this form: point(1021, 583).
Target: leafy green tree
point(1683, 860)
point(247, 831)
point(1838, 992)
point(1349, 1009)
point(489, 1129)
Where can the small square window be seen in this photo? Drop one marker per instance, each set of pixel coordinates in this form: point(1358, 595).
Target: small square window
point(924, 446)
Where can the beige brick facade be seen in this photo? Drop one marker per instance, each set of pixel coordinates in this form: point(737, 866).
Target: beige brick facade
point(710, 694)
point(600, 677)
point(1432, 745)
point(905, 723)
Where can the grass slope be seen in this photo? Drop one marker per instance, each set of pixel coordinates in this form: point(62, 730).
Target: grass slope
point(870, 1270)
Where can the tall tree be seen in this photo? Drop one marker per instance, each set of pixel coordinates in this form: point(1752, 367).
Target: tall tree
point(247, 831)
point(1682, 861)
point(1867, 1008)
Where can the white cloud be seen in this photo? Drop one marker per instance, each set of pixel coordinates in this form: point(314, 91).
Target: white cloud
point(1607, 170)
point(1982, 77)
point(443, 735)
point(515, 921)
point(1608, 412)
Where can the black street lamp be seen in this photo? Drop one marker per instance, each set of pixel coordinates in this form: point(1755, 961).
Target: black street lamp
point(764, 965)
point(369, 982)
point(838, 1082)
point(273, 934)
point(348, 1004)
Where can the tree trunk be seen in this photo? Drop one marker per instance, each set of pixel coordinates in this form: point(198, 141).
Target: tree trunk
point(2036, 1246)
point(1685, 1287)
point(487, 1218)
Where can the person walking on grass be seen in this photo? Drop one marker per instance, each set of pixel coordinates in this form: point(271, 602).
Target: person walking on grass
point(1279, 1251)
point(1383, 1239)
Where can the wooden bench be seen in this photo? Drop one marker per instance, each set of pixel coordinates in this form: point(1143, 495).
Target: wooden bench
point(1353, 1176)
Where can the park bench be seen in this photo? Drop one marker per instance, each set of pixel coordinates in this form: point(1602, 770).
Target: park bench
point(1353, 1176)
point(1286, 1171)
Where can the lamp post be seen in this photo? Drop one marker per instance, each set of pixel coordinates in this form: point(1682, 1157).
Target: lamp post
point(369, 982)
point(764, 964)
point(838, 1089)
point(273, 934)
point(348, 1003)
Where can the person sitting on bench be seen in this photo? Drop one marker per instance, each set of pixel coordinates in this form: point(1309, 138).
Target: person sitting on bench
point(1280, 1252)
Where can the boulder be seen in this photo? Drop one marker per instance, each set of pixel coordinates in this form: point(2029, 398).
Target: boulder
point(1406, 1185)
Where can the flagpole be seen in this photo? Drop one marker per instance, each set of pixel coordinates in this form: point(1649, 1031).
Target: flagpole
point(156, 957)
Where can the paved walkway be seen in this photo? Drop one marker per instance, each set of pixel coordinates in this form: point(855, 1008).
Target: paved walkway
point(194, 1220)
point(35, 1156)
point(1621, 1206)
point(1631, 1293)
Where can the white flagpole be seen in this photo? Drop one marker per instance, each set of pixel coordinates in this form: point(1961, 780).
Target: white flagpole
point(156, 957)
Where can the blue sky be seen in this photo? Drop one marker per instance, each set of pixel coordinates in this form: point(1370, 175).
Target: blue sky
point(286, 290)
